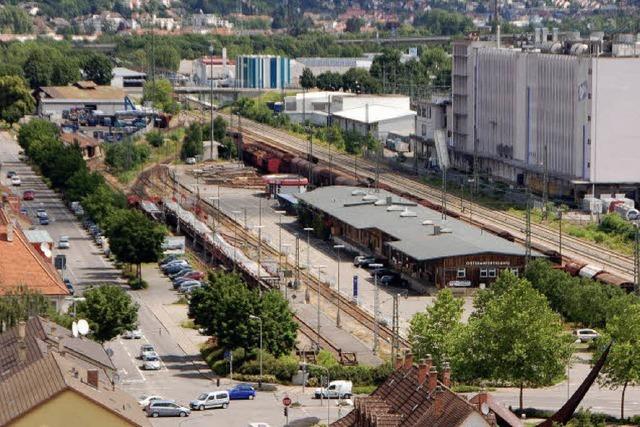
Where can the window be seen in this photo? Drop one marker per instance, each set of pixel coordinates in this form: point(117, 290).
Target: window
point(514, 271)
point(492, 272)
point(424, 130)
point(429, 113)
point(461, 273)
point(484, 272)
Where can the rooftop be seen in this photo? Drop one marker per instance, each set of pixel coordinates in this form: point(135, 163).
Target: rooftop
point(22, 265)
point(126, 72)
point(411, 224)
point(373, 113)
point(38, 236)
point(83, 91)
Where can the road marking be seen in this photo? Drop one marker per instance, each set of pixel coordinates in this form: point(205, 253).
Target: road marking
point(133, 360)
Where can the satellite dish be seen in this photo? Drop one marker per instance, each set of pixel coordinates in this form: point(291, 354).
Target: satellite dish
point(74, 328)
point(47, 252)
point(83, 327)
point(484, 408)
point(44, 247)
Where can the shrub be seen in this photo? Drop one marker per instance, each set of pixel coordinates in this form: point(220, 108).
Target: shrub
point(137, 283)
point(266, 378)
point(155, 138)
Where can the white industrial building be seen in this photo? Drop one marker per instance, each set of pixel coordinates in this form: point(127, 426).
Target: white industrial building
point(312, 107)
point(377, 120)
point(433, 119)
point(54, 100)
point(319, 65)
point(569, 111)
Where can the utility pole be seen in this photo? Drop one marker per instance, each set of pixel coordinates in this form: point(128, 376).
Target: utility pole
point(307, 296)
point(545, 185)
point(297, 260)
point(395, 327)
point(376, 309)
point(527, 223)
point(310, 151)
point(211, 102)
point(320, 267)
point(337, 248)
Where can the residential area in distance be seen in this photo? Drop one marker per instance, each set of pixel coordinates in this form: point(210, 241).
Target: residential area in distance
point(319, 213)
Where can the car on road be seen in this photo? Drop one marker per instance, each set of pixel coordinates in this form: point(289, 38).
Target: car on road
point(144, 400)
point(43, 220)
point(63, 242)
point(362, 260)
point(392, 280)
point(211, 399)
point(28, 195)
point(41, 212)
point(337, 389)
point(16, 181)
point(166, 408)
point(242, 391)
point(146, 349)
point(152, 362)
point(69, 286)
point(136, 334)
point(586, 335)
point(11, 174)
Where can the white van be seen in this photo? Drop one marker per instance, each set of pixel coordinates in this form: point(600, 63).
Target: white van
point(211, 399)
point(337, 389)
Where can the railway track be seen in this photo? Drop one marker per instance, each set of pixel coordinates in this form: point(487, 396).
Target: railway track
point(543, 237)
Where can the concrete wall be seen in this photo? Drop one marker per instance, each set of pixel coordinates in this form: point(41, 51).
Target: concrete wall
point(615, 144)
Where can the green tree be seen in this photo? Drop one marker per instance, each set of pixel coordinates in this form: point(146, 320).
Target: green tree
point(81, 184)
point(167, 57)
point(335, 138)
point(160, 95)
point(134, 238)
point(219, 128)
point(516, 337)
point(38, 68)
point(444, 23)
point(307, 79)
point(64, 71)
point(102, 202)
point(63, 164)
point(155, 138)
point(14, 20)
point(97, 67)
point(435, 330)
point(354, 24)
point(15, 99)
point(109, 310)
point(20, 304)
point(192, 143)
point(279, 328)
point(622, 368)
point(126, 155)
point(37, 138)
point(329, 81)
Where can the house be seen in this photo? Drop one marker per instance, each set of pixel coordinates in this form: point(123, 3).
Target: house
point(41, 241)
point(49, 380)
point(54, 100)
point(427, 248)
point(22, 265)
point(416, 396)
point(90, 147)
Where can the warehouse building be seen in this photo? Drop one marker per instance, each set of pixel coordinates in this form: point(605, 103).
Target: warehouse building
point(377, 120)
point(263, 71)
point(54, 100)
point(566, 108)
point(416, 241)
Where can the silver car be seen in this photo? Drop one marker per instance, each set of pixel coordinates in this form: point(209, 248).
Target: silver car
point(166, 408)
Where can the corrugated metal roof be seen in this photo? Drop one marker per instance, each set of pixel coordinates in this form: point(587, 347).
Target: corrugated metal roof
point(376, 113)
point(413, 238)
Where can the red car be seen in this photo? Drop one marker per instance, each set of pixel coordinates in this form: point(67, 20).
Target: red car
point(28, 195)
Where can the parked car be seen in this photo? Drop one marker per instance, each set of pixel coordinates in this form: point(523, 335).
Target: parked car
point(28, 195)
point(146, 349)
point(63, 242)
point(242, 391)
point(41, 212)
point(392, 280)
point(337, 389)
point(192, 288)
point(16, 181)
point(179, 263)
point(43, 220)
point(185, 285)
point(99, 240)
point(180, 280)
point(144, 400)
point(151, 362)
point(382, 271)
point(11, 174)
point(362, 260)
point(169, 258)
point(212, 399)
point(190, 160)
point(166, 408)
point(136, 334)
point(69, 286)
point(586, 335)
point(181, 272)
point(174, 268)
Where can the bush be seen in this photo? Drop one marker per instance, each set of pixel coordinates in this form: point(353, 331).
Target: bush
point(360, 375)
point(137, 283)
point(155, 138)
point(266, 378)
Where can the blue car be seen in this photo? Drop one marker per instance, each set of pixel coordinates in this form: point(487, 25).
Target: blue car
point(242, 391)
point(69, 286)
point(44, 220)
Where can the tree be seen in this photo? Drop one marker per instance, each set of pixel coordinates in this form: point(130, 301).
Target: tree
point(329, 81)
point(192, 143)
point(219, 128)
point(155, 138)
point(335, 138)
point(516, 337)
point(279, 330)
point(307, 79)
point(134, 238)
point(622, 368)
point(101, 203)
point(97, 67)
point(64, 71)
point(38, 68)
point(434, 331)
point(81, 184)
point(20, 304)
point(160, 95)
point(354, 24)
point(15, 99)
point(14, 20)
point(109, 310)
point(167, 58)
point(64, 162)
point(443, 23)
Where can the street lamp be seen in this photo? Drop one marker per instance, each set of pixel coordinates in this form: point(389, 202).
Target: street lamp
point(280, 213)
point(326, 390)
point(337, 248)
point(376, 308)
point(320, 268)
point(259, 319)
point(259, 227)
point(306, 292)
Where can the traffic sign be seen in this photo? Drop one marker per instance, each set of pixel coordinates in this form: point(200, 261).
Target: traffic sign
point(286, 401)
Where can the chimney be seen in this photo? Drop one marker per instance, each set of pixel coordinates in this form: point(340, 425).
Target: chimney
point(433, 379)
point(423, 371)
point(429, 361)
point(408, 360)
point(22, 330)
point(446, 374)
point(22, 346)
point(10, 230)
point(439, 404)
point(399, 362)
point(61, 348)
point(481, 400)
point(92, 377)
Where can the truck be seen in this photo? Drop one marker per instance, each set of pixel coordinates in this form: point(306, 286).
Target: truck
point(339, 389)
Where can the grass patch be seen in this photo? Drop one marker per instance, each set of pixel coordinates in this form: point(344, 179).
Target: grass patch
point(467, 388)
point(182, 300)
point(188, 324)
point(365, 389)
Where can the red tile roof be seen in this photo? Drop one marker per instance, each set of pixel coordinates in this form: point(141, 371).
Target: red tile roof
point(22, 265)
